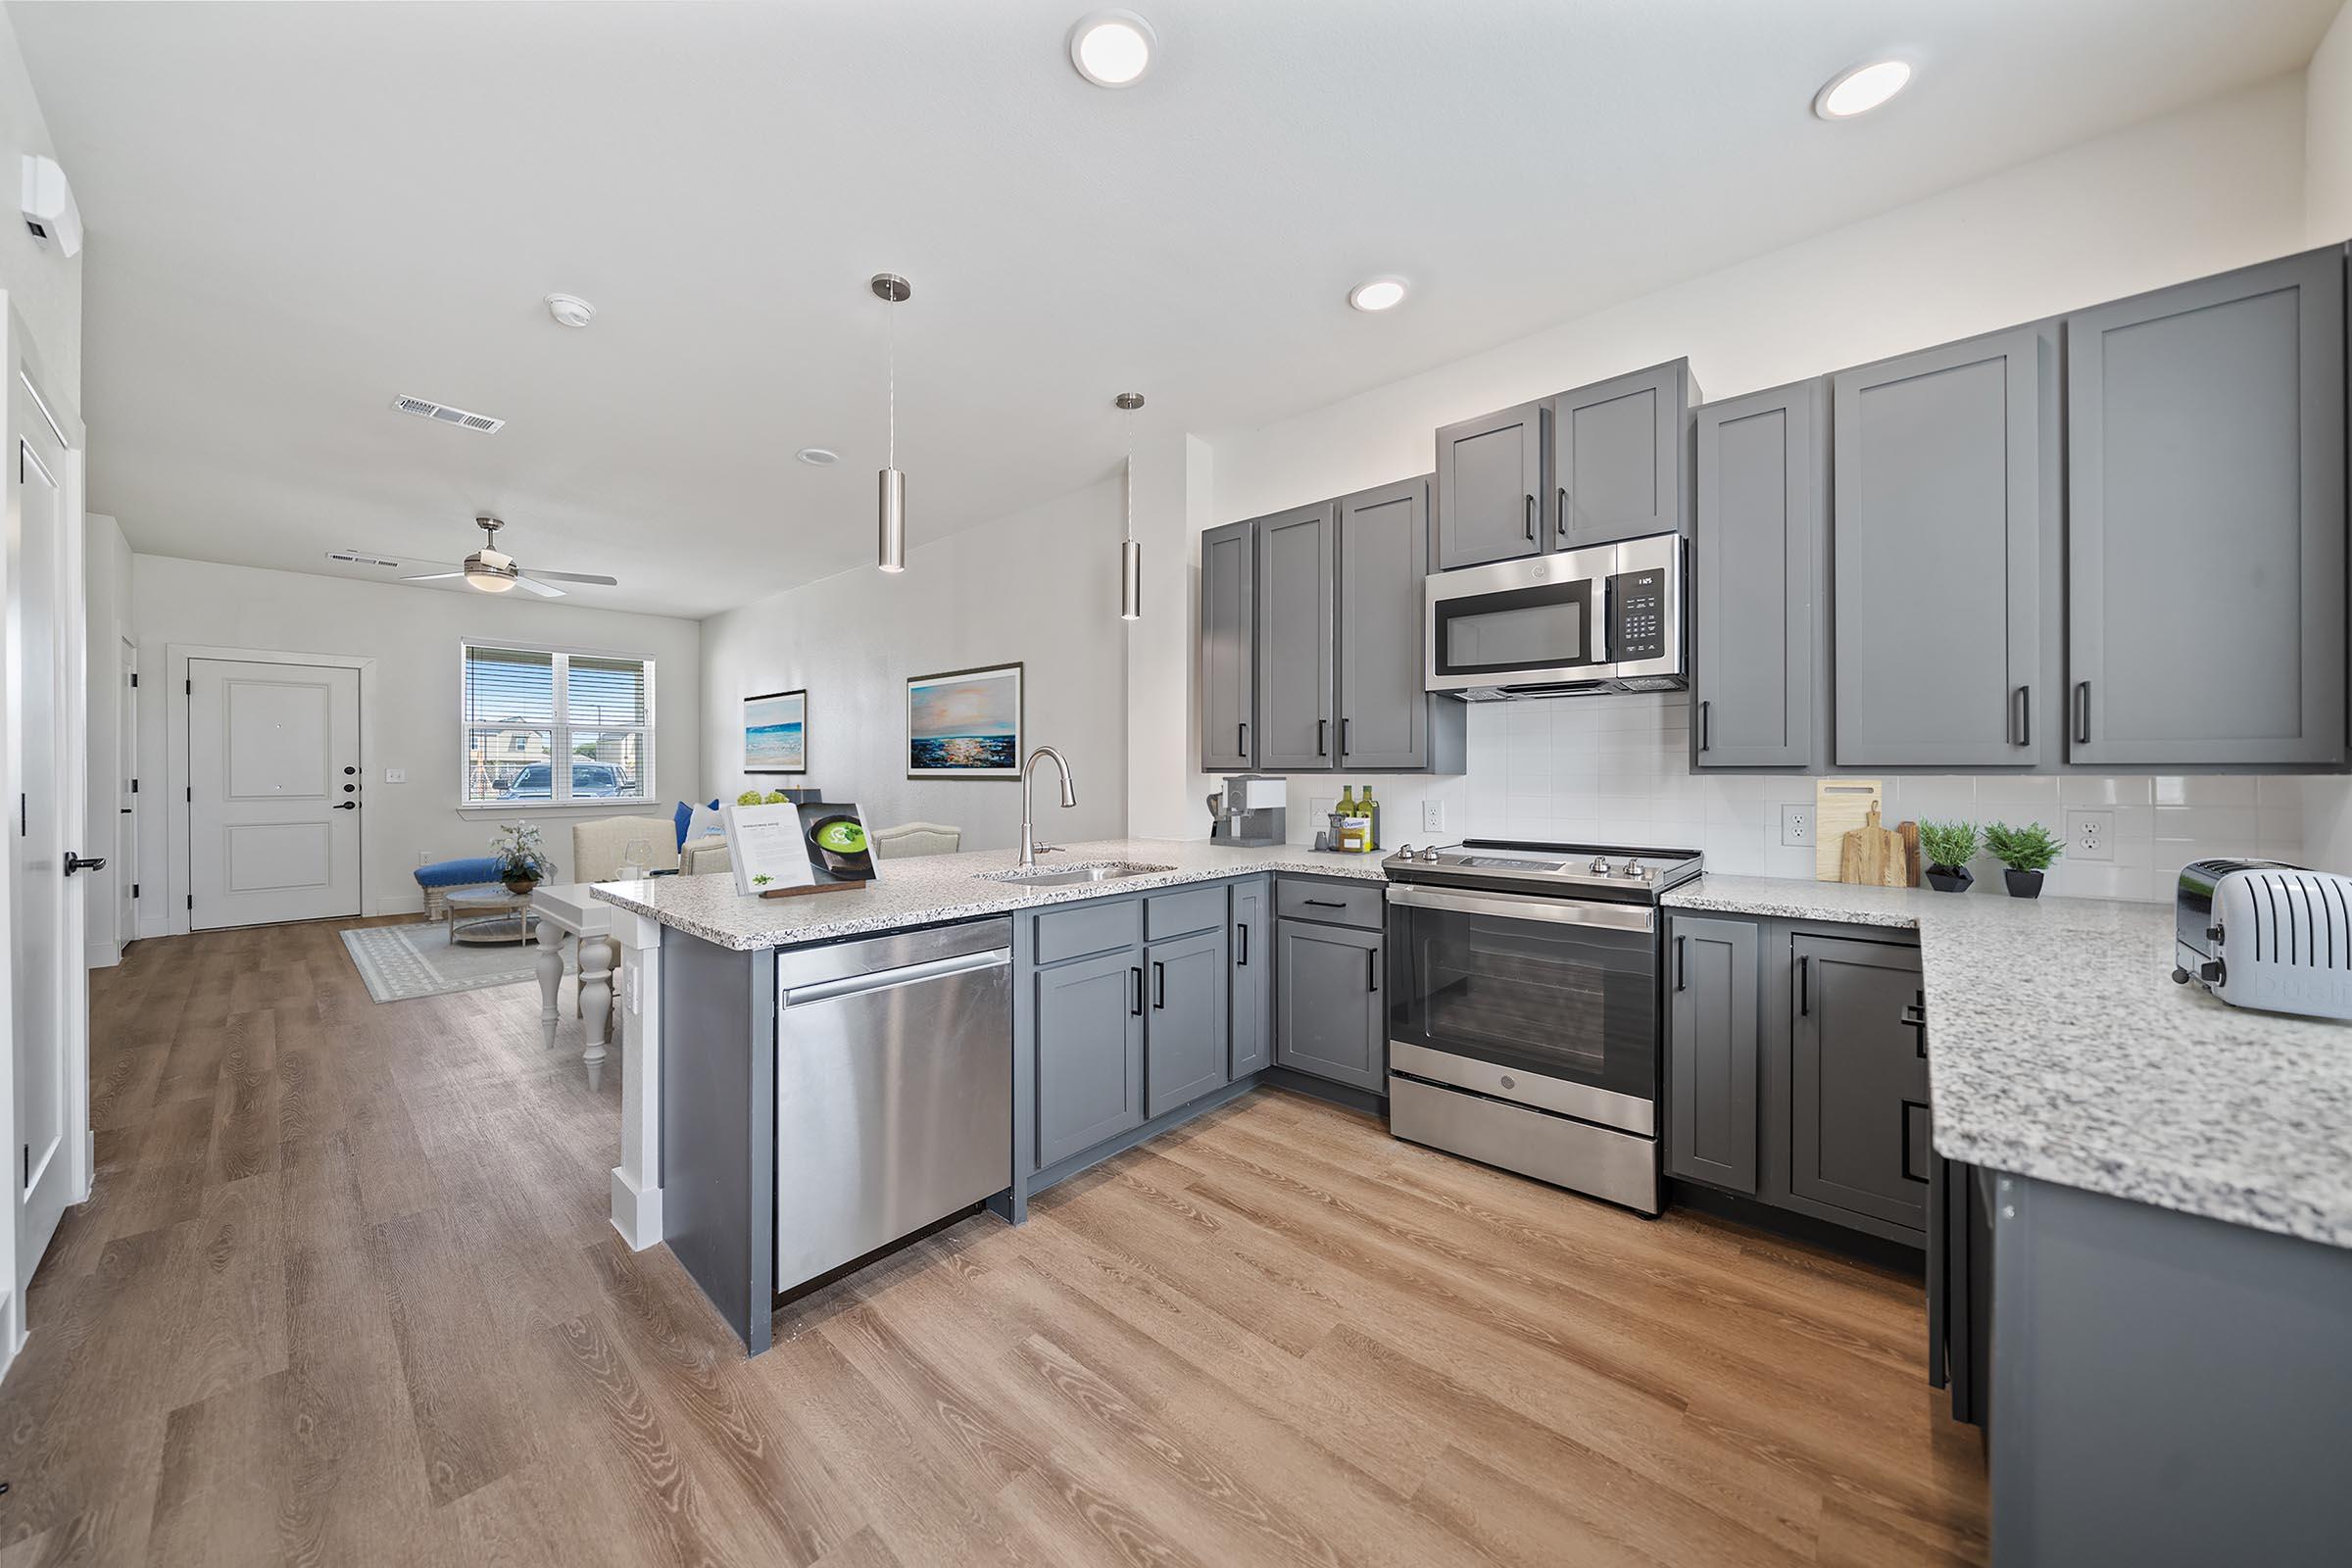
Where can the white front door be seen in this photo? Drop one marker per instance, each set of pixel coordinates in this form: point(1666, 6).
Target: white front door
point(274, 780)
point(127, 791)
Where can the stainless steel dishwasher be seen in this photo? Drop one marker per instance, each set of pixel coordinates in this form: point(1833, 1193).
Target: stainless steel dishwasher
point(894, 1089)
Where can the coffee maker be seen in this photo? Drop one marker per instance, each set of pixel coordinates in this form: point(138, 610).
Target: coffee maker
point(1249, 811)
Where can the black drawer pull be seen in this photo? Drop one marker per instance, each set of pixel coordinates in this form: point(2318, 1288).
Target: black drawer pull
point(1372, 969)
point(1804, 986)
point(1159, 986)
point(1242, 957)
point(1682, 966)
point(1324, 904)
point(1903, 1131)
point(1915, 1016)
point(1135, 1009)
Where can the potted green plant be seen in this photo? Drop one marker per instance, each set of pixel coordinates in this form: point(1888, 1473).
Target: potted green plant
point(522, 859)
point(2027, 852)
point(1948, 847)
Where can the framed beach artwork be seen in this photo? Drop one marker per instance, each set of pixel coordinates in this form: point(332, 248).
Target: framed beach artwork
point(775, 733)
point(964, 725)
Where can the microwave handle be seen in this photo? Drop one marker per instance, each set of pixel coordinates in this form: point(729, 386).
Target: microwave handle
point(1599, 597)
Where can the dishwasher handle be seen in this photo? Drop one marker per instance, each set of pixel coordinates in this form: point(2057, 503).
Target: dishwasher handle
point(911, 974)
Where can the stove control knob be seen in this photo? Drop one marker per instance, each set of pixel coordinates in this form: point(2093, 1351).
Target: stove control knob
point(1635, 874)
point(1406, 854)
point(1430, 854)
point(1600, 865)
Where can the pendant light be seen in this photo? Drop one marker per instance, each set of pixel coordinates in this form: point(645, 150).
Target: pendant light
point(1131, 553)
point(892, 289)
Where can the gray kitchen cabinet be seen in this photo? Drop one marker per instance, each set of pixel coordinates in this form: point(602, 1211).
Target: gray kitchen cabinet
point(2205, 522)
point(1618, 458)
point(1758, 660)
point(1090, 1051)
point(1228, 645)
point(1296, 572)
point(1491, 503)
point(1858, 1123)
point(1185, 1026)
point(1711, 1063)
point(1389, 722)
point(1250, 960)
point(1945, 552)
point(1331, 1015)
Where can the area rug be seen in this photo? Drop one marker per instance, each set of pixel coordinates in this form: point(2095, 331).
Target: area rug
point(403, 961)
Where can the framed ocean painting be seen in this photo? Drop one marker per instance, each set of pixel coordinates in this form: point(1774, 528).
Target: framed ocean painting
point(775, 733)
point(964, 725)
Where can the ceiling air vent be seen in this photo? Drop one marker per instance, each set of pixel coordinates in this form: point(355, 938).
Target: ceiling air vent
point(425, 408)
point(352, 558)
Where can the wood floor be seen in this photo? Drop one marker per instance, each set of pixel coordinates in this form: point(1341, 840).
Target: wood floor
point(346, 1294)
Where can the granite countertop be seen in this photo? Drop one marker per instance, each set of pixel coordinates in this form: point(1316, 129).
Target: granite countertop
point(2060, 1049)
point(930, 889)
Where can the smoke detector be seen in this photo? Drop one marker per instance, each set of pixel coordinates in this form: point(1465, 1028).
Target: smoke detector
point(818, 456)
point(570, 310)
point(427, 409)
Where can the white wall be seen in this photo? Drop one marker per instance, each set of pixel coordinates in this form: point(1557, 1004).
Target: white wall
point(1039, 586)
point(2328, 136)
point(42, 285)
point(413, 635)
point(106, 576)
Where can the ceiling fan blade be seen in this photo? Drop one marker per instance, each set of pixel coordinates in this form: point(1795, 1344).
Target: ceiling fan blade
point(433, 577)
point(543, 590)
point(578, 576)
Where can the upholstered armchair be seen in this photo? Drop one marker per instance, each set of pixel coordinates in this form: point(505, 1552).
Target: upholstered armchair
point(597, 847)
point(909, 839)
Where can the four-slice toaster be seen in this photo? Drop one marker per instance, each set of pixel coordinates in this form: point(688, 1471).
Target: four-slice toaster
point(2264, 934)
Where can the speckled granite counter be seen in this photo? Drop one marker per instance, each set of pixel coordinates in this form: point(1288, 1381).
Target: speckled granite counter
point(935, 888)
point(2059, 1047)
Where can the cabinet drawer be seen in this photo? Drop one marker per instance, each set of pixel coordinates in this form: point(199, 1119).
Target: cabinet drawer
point(1088, 928)
point(1334, 903)
point(1173, 914)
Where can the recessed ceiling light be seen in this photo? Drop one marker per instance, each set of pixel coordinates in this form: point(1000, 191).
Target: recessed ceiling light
point(1860, 90)
point(1377, 294)
point(570, 310)
point(818, 456)
point(1113, 48)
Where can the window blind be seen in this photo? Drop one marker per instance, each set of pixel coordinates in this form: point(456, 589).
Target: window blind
point(541, 725)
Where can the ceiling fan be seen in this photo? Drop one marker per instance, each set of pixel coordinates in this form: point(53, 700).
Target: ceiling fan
point(494, 571)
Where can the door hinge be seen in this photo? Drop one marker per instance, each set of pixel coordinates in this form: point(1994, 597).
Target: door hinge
point(134, 890)
point(23, 815)
point(28, 1167)
point(134, 786)
point(191, 794)
point(191, 901)
point(191, 687)
point(134, 679)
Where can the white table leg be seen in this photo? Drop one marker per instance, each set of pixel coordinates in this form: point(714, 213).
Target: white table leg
point(636, 1192)
point(549, 964)
point(596, 1002)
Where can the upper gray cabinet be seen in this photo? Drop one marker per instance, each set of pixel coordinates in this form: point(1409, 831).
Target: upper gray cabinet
point(1296, 567)
point(1619, 456)
point(1491, 490)
point(1228, 640)
point(1942, 555)
point(1384, 559)
point(2205, 530)
point(1757, 655)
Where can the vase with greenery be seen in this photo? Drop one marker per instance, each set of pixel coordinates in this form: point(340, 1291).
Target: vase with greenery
point(754, 798)
point(522, 859)
point(2027, 852)
point(1948, 847)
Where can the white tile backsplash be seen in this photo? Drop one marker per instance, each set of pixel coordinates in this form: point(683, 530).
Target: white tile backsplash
point(1618, 769)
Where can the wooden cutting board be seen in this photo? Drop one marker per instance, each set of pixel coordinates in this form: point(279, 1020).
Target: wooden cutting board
point(1839, 806)
point(1873, 854)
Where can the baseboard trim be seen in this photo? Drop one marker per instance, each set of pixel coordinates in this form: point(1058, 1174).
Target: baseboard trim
point(636, 1212)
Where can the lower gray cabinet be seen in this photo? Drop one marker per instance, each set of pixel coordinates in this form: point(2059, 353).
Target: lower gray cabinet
point(1858, 1081)
point(1711, 1061)
point(1249, 971)
point(1330, 1018)
point(1184, 1020)
point(1090, 1053)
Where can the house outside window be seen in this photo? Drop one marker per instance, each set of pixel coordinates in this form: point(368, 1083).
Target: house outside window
point(553, 727)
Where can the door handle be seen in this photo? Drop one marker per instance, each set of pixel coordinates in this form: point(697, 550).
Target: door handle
point(1322, 737)
point(1531, 519)
point(347, 806)
point(1706, 737)
point(83, 862)
point(2081, 712)
point(1372, 971)
point(1562, 523)
point(2023, 717)
point(1242, 750)
point(1159, 987)
point(1682, 968)
point(1135, 1008)
point(1915, 1016)
point(1344, 733)
point(1242, 959)
point(1804, 985)
point(1902, 1130)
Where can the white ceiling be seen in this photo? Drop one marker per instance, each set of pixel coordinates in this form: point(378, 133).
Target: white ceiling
point(297, 212)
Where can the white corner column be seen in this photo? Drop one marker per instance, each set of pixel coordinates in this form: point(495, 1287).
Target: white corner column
point(637, 1179)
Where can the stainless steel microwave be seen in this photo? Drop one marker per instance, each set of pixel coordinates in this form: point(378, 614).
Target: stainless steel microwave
point(1608, 619)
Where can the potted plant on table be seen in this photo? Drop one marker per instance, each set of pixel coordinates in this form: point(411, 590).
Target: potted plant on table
point(1950, 847)
point(2027, 852)
point(522, 859)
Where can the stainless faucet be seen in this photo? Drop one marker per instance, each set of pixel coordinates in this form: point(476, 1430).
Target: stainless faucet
point(1030, 848)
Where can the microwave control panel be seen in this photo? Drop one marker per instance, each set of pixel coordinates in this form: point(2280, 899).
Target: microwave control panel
point(1637, 615)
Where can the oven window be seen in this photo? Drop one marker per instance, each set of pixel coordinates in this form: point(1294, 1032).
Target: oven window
point(1545, 627)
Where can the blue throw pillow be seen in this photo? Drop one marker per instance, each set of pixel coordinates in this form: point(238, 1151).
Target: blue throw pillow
point(685, 814)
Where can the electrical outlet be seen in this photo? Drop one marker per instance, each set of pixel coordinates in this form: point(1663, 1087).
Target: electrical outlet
point(396, 776)
point(2090, 835)
point(1433, 816)
point(1796, 826)
point(425, 857)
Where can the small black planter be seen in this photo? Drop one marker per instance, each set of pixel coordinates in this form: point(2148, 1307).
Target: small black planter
point(1950, 881)
point(2023, 884)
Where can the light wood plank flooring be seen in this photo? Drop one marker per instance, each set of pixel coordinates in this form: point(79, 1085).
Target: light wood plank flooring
point(346, 1294)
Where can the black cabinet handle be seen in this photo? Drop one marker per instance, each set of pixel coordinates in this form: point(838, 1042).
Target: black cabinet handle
point(1915, 1016)
point(1372, 969)
point(1682, 967)
point(2021, 716)
point(1135, 1008)
point(1242, 746)
point(1343, 741)
point(1531, 519)
point(1159, 986)
point(1323, 904)
point(1804, 985)
point(1322, 737)
point(1242, 959)
point(1706, 736)
point(1562, 522)
point(2081, 712)
point(1903, 1131)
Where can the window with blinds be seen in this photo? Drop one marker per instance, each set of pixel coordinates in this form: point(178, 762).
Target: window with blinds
point(555, 728)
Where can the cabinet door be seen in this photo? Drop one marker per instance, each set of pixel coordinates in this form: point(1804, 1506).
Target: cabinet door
point(1331, 1020)
point(1618, 456)
point(2205, 475)
point(1857, 1080)
point(1184, 1020)
point(1295, 570)
point(1228, 639)
point(1763, 472)
point(1711, 1061)
point(1383, 561)
point(1937, 539)
point(1249, 958)
point(1090, 1053)
point(1490, 500)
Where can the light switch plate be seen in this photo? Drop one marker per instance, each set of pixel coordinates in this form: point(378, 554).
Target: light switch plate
point(1796, 826)
point(2090, 835)
point(396, 776)
point(1433, 816)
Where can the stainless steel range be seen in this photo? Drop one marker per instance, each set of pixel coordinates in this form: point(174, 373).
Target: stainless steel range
point(1524, 1009)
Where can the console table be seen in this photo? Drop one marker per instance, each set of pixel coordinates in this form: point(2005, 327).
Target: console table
point(568, 919)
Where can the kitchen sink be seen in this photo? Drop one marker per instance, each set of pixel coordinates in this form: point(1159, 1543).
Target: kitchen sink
point(1063, 876)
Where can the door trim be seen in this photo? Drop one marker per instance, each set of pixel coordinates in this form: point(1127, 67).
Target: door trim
point(180, 834)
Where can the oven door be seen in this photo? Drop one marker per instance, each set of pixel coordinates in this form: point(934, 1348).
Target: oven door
point(1553, 1002)
point(1516, 622)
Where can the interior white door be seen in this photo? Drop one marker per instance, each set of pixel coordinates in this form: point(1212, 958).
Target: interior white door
point(274, 780)
point(127, 789)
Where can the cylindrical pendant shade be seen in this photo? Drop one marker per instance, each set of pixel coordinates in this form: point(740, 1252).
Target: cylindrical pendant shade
point(892, 556)
point(1131, 580)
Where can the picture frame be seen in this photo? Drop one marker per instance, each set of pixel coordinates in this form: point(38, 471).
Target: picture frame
point(775, 732)
point(966, 723)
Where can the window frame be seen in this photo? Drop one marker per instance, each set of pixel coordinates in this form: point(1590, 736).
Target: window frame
point(559, 729)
